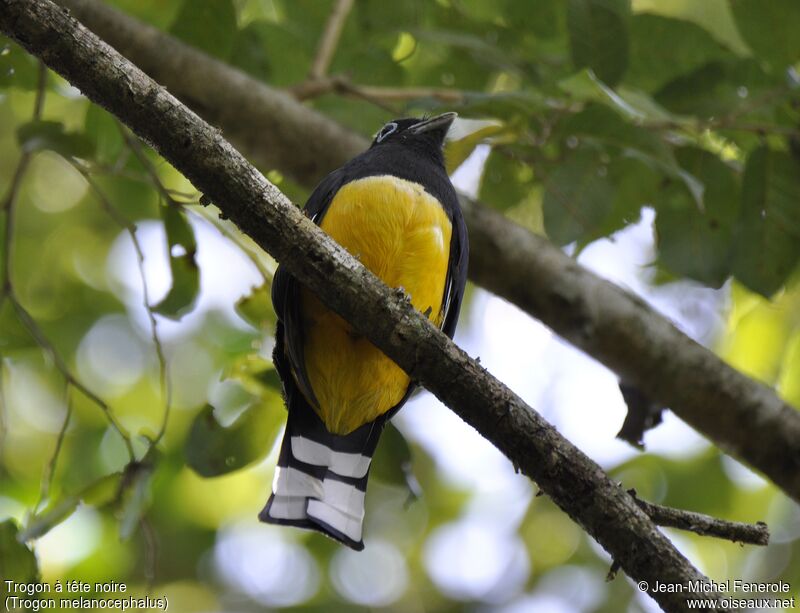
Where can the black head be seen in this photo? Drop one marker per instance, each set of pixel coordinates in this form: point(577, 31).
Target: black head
point(422, 135)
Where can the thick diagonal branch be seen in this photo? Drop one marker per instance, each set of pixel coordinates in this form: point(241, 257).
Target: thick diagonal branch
point(386, 317)
point(741, 416)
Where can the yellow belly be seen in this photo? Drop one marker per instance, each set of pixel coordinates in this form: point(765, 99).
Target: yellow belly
point(402, 234)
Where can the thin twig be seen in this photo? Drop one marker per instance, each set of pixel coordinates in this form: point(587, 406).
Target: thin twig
point(704, 525)
point(10, 200)
point(50, 469)
point(136, 148)
point(400, 94)
point(163, 374)
point(341, 84)
point(41, 339)
point(130, 228)
point(330, 39)
point(8, 207)
point(166, 389)
point(95, 169)
point(3, 419)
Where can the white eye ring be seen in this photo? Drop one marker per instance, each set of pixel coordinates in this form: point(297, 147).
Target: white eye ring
point(386, 130)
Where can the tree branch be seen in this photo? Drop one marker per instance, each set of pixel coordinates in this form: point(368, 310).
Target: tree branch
point(330, 38)
point(704, 525)
point(341, 84)
point(386, 317)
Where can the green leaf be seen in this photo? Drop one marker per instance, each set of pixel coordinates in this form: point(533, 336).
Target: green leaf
point(41, 135)
point(159, 13)
point(255, 374)
point(273, 53)
point(718, 88)
point(17, 67)
point(17, 562)
point(655, 59)
point(599, 124)
point(136, 492)
point(767, 247)
point(209, 25)
point(250, 50)
point(627, 102)
point(474, 47)
point(578, 198)
point(456, 151)
point(185, 273)
point(393, 460)
point(256, 308)
point(695, 242)
point(513, 107)
point(548, 20)
point(270, 379)
point(771, 29)
point(635, 184)
point(98, 494)
point(505, 181)
point(103, 132)
point(103, 491)
point(213, 449)
point(598, 34)
point(53, 515)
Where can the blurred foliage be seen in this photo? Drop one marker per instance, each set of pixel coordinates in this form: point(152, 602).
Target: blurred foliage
point(590, 110)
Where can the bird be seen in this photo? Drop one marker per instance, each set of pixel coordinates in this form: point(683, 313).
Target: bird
point(394, 208)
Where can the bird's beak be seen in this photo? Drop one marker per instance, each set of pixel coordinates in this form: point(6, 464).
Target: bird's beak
point(440, 123)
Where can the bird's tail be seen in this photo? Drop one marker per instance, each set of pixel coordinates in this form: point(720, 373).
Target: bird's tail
point(321, 478)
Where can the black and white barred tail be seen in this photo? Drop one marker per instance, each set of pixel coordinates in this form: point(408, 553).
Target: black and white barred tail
point(321, 478)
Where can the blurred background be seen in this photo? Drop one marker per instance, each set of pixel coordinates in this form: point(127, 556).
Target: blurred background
point(657, 141)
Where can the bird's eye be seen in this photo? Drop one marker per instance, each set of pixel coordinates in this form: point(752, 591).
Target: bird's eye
point(386, 130)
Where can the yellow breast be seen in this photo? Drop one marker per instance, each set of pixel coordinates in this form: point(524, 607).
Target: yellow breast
point(402, 234)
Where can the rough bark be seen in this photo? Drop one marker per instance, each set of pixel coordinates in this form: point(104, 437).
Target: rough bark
point(743, 417)
point(386, 317)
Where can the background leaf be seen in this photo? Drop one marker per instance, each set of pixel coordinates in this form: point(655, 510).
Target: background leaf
point(51, 135)
point(256, 308)
point(183, 266)
point(599, 39)
point(98, 494)
point(273, 53)
point(209, 25)
point(768, 231)
point(656, 59)
point(770, 29)
point(392, 462)
point(17, 562)
point(505, 181)
point(17, 68)
point(695, 242)
point(213, 450)
point(103, 131)
point(577, 199)
point(136, 497)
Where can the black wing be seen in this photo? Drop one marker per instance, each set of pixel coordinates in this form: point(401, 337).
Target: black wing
point(456, 271)
point(288, 354)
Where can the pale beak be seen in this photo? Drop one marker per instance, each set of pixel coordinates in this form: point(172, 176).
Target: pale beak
point(440, 122)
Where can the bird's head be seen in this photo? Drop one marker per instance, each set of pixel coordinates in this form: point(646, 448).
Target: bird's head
point(425, 135)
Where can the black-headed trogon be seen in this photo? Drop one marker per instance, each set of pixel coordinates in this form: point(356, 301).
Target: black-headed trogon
point(392, 207)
